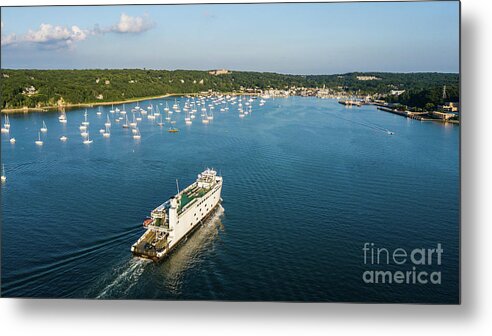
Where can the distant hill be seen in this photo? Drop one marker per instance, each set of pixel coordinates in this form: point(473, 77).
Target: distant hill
point(39, 88)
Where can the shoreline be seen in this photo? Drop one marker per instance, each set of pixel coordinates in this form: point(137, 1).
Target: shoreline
point(92, 104)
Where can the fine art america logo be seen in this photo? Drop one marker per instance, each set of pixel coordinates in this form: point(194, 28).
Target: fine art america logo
point(406, 265)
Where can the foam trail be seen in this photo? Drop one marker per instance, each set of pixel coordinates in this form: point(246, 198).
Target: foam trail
point(366, 124)
point(130, 271)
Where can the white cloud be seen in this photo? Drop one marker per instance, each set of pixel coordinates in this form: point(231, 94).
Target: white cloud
point(8, 39)
point(56, 35)
point(132, 24)
point(60, 37)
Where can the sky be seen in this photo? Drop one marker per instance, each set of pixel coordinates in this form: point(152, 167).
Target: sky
point(305, 38)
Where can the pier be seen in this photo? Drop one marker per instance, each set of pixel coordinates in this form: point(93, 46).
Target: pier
point(422, 116)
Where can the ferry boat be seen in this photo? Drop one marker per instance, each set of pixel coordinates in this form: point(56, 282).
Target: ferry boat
point(179, 216)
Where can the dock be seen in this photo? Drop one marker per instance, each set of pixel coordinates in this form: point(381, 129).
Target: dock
point(421, 116)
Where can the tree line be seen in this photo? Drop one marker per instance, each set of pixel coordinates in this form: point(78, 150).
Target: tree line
point(92, 85)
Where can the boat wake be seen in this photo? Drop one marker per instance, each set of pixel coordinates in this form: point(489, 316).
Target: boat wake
point(367, 125)
point(125, 277)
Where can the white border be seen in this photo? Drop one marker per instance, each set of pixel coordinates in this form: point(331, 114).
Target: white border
point(79, 317)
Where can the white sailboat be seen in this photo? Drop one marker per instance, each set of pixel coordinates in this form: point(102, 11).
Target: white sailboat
point(112, 109)
point(99, 113)
point(87, 140)
point(160, 123)
point(205, 119)
point(137, 135)
point(142, 110)
point(134, 122)
point(44, 129)
point(62, 118)
point(7, 122)
point(156, 111)
point(12, 140)
point(39, 142)
point(151, 116)
point(85, 122)
point(108, 122)
point(106, 134)
point(63, 138)
point(4, 177)
point(125, 125)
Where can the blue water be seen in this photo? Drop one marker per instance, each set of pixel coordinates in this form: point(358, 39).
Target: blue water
point(306, 183)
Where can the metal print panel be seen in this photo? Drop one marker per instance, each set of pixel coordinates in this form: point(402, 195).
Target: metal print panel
point(244, 152)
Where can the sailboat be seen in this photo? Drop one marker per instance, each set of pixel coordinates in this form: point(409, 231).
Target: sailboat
point(134, 122)
point(4, 177)
point(160, 123)
point(125, 125)
point(39, 142)
point(106, 134)
point(142, 110)
point(157, 112)
point(151, 116)
point(166, 109)
point(112, 109)
point(124, 110)
point(99, 111)
point(85, 122)
point(62, 118)
point(137, 135)
point(63, 138)
point(44, 129)
point(12, 140)
point(205, 119)
point(108, 122)
point(7, 122)
point(87, 140)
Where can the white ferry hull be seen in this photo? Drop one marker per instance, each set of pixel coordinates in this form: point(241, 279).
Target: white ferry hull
point(178, 218)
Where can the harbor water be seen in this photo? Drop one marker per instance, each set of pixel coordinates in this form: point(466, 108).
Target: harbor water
point(307, 182)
